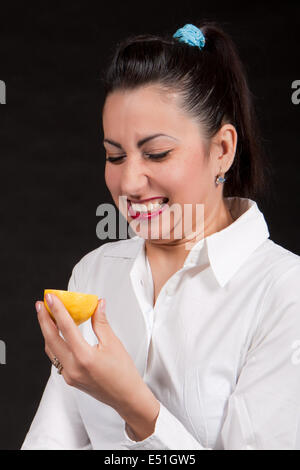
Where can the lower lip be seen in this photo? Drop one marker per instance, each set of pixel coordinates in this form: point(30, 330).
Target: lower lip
point(150, 215)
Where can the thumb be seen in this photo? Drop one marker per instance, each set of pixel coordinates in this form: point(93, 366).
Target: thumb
point(99, 321)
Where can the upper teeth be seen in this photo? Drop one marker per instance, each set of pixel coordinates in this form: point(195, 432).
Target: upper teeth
point(147, 207)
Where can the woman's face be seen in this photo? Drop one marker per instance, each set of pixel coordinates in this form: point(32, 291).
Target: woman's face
point(183, 174)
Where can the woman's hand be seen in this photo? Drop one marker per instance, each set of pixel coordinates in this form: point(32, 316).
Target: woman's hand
point(105, 371)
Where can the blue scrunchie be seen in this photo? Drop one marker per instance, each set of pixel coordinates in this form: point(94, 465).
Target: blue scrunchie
point(191, 35)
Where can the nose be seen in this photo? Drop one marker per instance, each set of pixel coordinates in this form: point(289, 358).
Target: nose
point(134, 178)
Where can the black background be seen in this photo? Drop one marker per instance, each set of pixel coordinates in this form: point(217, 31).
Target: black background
point(52, 159)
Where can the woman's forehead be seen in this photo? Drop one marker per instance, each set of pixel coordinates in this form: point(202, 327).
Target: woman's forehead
point(147, 111)
point(151, 96)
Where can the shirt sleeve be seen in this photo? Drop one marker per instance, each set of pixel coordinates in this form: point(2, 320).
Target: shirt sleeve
point(57, 424)
point(263, 412)
point(169, 433)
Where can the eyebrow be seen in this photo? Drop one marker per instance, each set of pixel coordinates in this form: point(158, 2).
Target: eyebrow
point(140, 142)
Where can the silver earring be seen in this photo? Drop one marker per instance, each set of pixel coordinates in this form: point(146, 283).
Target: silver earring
point(220, 179)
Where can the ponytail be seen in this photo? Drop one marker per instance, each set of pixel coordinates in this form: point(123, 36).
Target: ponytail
point(212, 83)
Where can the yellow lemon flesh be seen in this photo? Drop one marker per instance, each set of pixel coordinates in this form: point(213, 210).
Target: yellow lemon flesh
point(80, 306)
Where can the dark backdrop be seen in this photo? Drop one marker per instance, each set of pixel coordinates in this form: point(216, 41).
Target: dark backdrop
point(52, 160)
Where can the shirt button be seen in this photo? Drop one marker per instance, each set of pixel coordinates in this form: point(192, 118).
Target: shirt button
point(142, 282)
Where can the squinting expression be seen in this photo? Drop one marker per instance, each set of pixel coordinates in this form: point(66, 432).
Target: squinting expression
point(154, 150)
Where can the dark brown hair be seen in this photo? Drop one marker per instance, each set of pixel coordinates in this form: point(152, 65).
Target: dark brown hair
point(212, 84)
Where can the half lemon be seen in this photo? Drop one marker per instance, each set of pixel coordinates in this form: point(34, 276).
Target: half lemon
point(80, 306)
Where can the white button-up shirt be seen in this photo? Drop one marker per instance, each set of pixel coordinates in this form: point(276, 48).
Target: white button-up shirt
point(220, 350)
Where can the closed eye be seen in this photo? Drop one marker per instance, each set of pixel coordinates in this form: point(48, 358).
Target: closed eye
point(151, 156)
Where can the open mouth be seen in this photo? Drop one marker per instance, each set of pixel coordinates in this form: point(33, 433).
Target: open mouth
point(147, 209)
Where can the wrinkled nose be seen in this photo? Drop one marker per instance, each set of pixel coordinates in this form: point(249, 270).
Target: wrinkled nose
point(134, 179)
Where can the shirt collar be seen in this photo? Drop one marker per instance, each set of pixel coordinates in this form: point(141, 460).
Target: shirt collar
point(226, 251)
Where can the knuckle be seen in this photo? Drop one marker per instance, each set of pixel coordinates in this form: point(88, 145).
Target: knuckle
point(68, 379)
point(83, 360)
point(73, 378)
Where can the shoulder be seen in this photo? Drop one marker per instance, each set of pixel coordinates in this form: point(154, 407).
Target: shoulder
point(280, 307)
point(276, 261)
point(121, 248)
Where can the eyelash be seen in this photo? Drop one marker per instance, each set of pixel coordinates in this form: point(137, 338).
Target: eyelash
point(152, 156)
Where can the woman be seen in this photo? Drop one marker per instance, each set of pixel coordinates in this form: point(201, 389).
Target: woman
point(198, 347)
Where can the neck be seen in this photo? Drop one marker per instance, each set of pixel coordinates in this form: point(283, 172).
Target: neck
point(175, 250)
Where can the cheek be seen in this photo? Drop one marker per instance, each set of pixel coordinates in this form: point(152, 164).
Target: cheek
point(189, 174)
point(195, 180)
point(111, 179)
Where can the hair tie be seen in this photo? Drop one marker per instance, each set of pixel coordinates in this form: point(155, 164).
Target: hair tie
point(191, 35)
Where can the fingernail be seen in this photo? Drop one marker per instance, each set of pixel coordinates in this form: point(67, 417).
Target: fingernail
point(102, 304)
point(49, 299)
point(38, 306)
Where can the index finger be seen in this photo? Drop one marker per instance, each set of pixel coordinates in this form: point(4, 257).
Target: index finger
point(65, 323)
